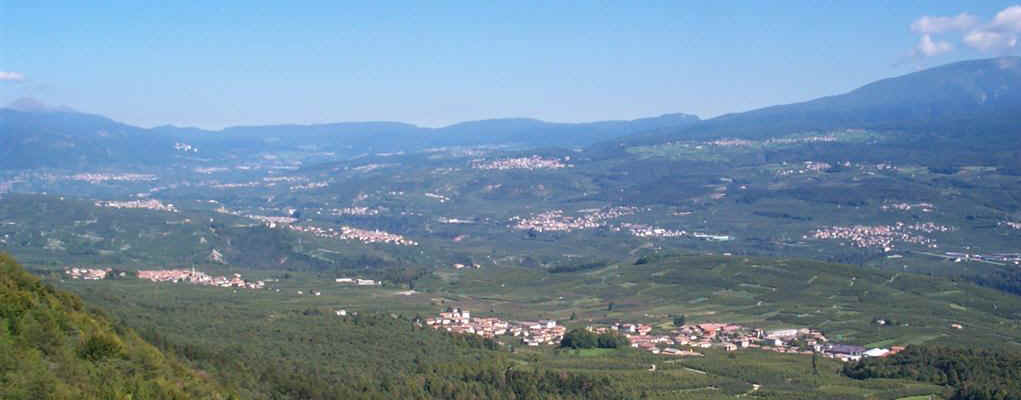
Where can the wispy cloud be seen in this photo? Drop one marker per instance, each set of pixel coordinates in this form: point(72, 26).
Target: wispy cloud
point(927, 47)
point(990, 40)
point(11, 76)
point(1000, 34)
point(931, 25)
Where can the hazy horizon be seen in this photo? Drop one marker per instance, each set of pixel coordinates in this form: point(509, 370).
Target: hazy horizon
point(271, 64)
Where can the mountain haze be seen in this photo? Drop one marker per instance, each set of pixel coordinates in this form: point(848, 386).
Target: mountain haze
point(957, 103)
point(35, 135)
point(40, 136)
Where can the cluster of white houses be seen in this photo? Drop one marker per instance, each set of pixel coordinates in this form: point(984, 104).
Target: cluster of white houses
point(682, 341)
point(89, 274)
point(531, 333)
point(732, 337)
point(359, 281)
point(530, 163)
point(198, 278)
point(361, 235)
point(151, 204)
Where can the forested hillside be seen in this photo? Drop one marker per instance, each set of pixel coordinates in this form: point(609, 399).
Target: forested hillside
point(976, 374)
point(51, 347)
point(312, 353)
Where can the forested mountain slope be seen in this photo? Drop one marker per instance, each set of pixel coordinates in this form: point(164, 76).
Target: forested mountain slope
point(51, 347)
point(977, 98)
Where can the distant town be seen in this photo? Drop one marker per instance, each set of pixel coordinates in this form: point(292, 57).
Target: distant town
point(151, 204)
point(532, 333)
point(95, 178)
point(528, 163)
point(349, 233)
point(882, 237)
point(684, 340)
point(557, 221)
point(646, 231)
point(168, 275)
point(198, 278)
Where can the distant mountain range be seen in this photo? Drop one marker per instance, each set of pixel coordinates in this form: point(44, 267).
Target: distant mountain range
point(33, 135)
point(36, 135)
point(978, 98)
point(961, 101)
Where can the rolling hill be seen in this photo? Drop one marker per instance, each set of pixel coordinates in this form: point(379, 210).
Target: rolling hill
point(58, 230)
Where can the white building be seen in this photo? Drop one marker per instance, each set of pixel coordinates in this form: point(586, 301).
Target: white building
point(782, 334)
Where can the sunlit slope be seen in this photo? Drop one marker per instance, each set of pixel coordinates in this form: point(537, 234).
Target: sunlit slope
point(52, 347)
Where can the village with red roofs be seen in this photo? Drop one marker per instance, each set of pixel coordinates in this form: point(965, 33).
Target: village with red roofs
point(685, 340)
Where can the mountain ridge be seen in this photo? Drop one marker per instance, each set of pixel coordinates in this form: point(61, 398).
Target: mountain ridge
point(32, 105)
point(44, 136)
point(972, 103)
point(975, 94)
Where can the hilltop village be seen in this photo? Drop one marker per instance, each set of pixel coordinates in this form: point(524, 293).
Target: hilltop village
point(684, 340)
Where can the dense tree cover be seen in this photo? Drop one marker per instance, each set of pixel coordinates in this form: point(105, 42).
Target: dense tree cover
point(378, 357)
point(585, 339)
point(1006, 280)
point(975, 374)
point(52, 348)
point(577, 267)
point(281, 351)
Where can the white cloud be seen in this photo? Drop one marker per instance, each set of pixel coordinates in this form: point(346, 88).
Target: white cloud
point(11, 76)
point(930, 25)
point(999, 35)
point(990, 40)
point(1008, 20)
point(929, 48)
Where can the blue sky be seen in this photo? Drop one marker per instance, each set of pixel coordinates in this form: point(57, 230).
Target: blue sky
point(214, 64)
